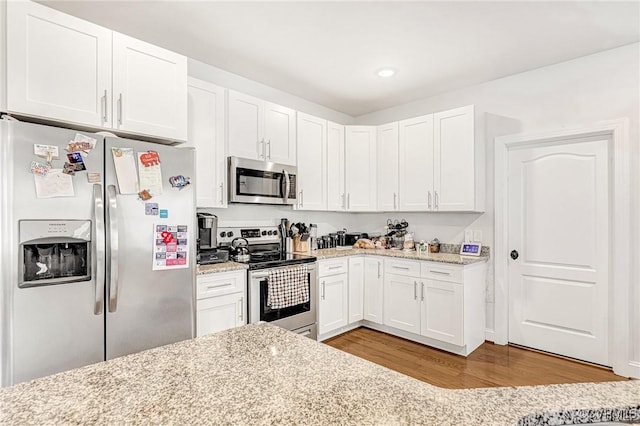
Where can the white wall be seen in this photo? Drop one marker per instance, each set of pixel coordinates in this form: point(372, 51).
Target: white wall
point(576, 93)
point(226, 79)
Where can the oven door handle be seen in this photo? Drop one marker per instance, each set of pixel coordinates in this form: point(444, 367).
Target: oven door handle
point(259, 275)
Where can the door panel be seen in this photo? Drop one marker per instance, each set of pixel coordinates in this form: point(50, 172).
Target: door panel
point(373, 289)
point(280, 134)
point(245, 126)
point(442, 313)
point(333, 308)
point(558, 222)
point(416, 164)
point(356, 289)
point(335, 163)
point(221, 313)
point(312, 169)
point(387, 153)
point(360, 143)
point(401, 303)
point(154, 308)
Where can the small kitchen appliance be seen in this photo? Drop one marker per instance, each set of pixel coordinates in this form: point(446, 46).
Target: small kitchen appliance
point(207, 230)
point(261, 182)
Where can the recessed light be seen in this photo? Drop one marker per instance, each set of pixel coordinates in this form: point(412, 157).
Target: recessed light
point(385, 72)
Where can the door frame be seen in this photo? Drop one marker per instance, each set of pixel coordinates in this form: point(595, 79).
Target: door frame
point(619, 224)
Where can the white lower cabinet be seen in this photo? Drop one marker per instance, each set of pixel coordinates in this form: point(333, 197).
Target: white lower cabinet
point(401, 303)
point(356, 289)
point(333, 300)
point(222, 301)
point(441, 311)
point(373, 289)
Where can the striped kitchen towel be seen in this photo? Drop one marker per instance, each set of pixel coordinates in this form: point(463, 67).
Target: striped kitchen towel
point(287, 287)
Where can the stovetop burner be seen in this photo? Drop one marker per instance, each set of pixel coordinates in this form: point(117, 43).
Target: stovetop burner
point(263, 260)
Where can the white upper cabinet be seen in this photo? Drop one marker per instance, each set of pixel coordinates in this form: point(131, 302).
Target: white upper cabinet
point(416, 164)
point(260, 130)
point(360, 155)
point(312, 160)
point(66, 69)
point(149, 89)
point(58, 66)
point(454, 160)
point(336, 197)
point(387, 153)
point(206, 134)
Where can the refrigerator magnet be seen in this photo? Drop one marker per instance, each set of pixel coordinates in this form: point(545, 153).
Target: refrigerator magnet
point(170, 252)
point(39, 168)
point(179, 181)
point(164, 214)
point(144, 195)
point(69, 169)
point(76, 160)
point(151, 209)
point(94, 177)
point(149, 172)
point(50, 152)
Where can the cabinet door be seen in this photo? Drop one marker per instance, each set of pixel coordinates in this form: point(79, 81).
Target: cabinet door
point(360, 154)
point(373, 289)
point(220, 313)
point(245, 126)
point(387, 153)
point(453, 167)
point(58, 66)
point(336, 198)
point(416, 164)
point(356, 289)
point(442, 313)
point(401, 302)
point(279, 134)
point(206, 135)
point(312, 169)
point(333, 308)
point(149, 89)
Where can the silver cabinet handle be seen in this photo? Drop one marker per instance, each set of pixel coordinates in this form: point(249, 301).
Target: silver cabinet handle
point(104, 106)
point(429, 199)
point(335, 267)
point(440, 272)
point(269, 145)
point(378, 269)
point(344, 203)
point(302, 198)
point(260, 151)
point(400, 267)
point(436, 206)
point(348, 201)
point(112, 247)
point(324, 289)
point(415, 290)
point(394, 200)
point(120, 109)
point(221, 194)
point(98, 247)
point(241, 308)
point(422, 290)
point(211, 287)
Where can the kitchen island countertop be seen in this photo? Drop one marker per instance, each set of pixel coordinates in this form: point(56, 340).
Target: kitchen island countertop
point(261, 374)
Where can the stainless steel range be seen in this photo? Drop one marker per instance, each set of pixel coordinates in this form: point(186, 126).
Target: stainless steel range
point(261, 249)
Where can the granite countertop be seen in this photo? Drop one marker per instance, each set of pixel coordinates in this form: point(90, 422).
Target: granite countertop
point(452, 258)
point(262, 374)
point(220, 267)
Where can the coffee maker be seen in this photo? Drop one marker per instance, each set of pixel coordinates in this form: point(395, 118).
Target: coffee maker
point(208, 240)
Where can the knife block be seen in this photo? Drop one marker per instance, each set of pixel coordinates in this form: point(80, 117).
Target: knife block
point(300, 246)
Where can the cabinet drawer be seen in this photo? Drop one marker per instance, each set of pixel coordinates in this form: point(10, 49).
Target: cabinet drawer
point(332, 267)
point(441, 272)
point(220, 283)
point(409, 268)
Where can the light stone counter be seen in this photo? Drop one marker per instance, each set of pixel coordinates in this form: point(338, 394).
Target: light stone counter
point(221, 267)
point(261, 374)
point(452, 258)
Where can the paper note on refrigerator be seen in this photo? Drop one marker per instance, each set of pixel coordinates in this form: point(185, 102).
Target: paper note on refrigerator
point(170, 247)
point(125, 163)
point(150, 172)
point(54, 184)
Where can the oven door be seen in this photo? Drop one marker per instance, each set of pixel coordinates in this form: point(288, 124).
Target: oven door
point(261, 182)
point(291, 318)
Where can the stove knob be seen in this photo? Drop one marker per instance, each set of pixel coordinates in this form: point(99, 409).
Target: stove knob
point(264, 233)
point(230, 234)
point(223, 234)
point(269, 233)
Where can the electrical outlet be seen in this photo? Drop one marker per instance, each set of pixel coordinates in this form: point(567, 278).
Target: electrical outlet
point(468, 236)
point(477, 236)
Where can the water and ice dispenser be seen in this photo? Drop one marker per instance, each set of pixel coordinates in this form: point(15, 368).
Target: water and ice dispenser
point(54, 252)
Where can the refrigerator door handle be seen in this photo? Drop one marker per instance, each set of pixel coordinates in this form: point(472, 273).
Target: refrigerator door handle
point(98, 247)
point(112, 247)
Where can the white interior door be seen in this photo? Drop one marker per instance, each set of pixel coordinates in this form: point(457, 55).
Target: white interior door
point(558, 223)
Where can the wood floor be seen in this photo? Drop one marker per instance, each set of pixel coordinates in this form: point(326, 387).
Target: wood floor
point(488, 366)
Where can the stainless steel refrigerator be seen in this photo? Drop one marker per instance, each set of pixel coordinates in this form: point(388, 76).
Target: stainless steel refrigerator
point(85, 271)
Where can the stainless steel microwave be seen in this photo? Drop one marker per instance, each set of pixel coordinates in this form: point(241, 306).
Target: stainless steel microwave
point(261, 182)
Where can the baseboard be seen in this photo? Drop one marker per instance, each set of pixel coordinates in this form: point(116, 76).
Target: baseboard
point(490, 335)
point(632, 371)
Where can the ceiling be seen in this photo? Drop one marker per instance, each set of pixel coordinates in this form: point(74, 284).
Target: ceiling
point(328, 52)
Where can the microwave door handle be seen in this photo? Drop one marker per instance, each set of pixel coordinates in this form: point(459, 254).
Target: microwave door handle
point(287, 186)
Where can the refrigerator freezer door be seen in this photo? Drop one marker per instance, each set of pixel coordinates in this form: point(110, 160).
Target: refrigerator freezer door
point(50, 328)
point(148, 308)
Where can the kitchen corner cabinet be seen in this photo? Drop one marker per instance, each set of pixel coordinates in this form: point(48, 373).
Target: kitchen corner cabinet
point(333, 295)
point(416, 164)
point(312, 162)
point(206, 135)
point(336, 196)
point(221, 301)
point(356, 289)
point(373, 289)
point(360, 155)
point(63, 68)
point(388, 162)
point(260, 130)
